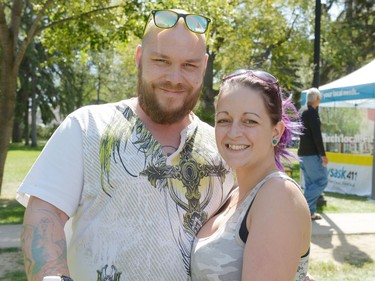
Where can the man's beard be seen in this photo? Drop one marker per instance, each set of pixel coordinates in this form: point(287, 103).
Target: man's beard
point(162, 114)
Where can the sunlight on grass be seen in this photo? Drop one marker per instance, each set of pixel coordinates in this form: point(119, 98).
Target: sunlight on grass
point(11, 212)
point(19, 160)
point(16, 272)
point(15, 276)
point(18, 163)
point(344, 203)
point(345, 272)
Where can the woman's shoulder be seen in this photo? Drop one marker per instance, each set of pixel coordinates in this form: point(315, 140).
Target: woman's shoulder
point(280, 192)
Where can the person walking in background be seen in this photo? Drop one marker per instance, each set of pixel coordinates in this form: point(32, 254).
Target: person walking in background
point(137, 178)
point(263, 231)
point(312, 153)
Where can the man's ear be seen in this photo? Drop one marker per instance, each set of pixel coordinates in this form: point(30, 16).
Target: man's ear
point(206, 62)
point(138, 55)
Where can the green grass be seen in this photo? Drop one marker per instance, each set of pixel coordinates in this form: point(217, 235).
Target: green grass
point(18, 275)
point(21, 158)
point(19, 161)
point(11, 212)
point(17, 272)
point(344, 203)
point(343, 272)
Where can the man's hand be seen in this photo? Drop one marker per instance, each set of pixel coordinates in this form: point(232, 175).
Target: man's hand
point(324, 161)
point(309, 277)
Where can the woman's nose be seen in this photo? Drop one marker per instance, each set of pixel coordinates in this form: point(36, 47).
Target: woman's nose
point(235, 130)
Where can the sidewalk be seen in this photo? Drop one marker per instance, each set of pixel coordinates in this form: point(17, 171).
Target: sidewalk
point(336, 237)
point(344, 238)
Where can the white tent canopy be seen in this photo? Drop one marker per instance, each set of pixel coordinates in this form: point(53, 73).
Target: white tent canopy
point(355, 89)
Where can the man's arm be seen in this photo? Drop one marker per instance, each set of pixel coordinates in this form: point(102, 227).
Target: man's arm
point(43, 240)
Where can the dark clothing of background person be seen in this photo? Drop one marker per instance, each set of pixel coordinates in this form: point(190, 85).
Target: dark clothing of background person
point(311, 142)
point(312, 153)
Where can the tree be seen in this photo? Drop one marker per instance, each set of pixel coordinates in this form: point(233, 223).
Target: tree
point(347, 37)
point(274, 35)
point(76, 24)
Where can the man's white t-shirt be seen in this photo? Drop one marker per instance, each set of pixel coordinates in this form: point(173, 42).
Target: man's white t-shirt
point(134, 211)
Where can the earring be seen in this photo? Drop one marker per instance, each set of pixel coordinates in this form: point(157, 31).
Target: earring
point(275, 141)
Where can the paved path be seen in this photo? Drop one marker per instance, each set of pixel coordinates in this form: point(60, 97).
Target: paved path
point(10, 236)
point(337, 237)
point(344, 238)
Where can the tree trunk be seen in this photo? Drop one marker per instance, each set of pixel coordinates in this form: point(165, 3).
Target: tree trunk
point(27, 126)
point(34, 109)
point(8, 85)
point(18, 117)
point(17, 132)
point(208, 91)
point(318, 12)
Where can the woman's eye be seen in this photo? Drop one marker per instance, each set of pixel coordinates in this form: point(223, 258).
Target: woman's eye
point(222, 121)
point(250, 122)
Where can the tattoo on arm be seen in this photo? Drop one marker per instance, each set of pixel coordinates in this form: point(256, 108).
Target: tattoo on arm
point(44, 244)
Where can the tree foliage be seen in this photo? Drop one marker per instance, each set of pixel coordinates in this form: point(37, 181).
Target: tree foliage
point(348, 37)
point(82, 51)
point(66, 26)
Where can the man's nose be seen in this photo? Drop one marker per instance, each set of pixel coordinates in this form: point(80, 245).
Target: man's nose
point(174, 74)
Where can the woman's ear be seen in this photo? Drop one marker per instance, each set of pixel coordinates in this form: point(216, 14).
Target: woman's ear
point(278, 130)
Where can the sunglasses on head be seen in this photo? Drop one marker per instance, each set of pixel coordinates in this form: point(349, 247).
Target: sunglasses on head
point(260, 74)
point(167, 19)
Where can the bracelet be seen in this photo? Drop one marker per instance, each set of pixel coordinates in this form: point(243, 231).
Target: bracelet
point(66, 278)
point(57, 277)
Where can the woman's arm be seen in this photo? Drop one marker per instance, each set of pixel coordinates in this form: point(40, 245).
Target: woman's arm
point(279, 232)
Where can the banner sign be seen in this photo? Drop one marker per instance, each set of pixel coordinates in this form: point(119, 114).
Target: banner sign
point(349, 174)
point(348, 136)
point(357, 92)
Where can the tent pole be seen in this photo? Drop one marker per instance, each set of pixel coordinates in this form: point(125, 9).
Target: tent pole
point(373, 167)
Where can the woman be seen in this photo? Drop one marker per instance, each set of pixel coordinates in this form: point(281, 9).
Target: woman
point(263, 231)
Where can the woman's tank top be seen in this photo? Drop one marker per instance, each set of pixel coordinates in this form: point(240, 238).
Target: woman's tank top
point(219, 256)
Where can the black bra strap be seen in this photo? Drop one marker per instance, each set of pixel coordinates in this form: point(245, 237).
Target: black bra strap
point(243, 229)
point(244, 233)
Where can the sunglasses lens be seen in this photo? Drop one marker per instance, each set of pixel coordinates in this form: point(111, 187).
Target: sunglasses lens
point(165, 19)
point(196, 23)
point(265, 76)
point(235, 73)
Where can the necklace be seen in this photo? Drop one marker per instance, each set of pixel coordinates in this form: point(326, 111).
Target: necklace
point(169, 149)
point(237, 203)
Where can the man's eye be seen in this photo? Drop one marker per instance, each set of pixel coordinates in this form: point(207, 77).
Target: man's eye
point(160, 60)
point(190, 65)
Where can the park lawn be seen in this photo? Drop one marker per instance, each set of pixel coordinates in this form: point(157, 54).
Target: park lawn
point(20, 159)
point(343, 272)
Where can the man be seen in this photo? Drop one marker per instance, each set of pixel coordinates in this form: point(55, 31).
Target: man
point(137, 178)
point(312, 153)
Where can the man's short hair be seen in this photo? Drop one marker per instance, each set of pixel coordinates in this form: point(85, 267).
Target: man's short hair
point(312, 95)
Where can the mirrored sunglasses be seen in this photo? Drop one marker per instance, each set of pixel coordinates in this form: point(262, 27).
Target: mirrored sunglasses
point(260, 74)
point(167, 19)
